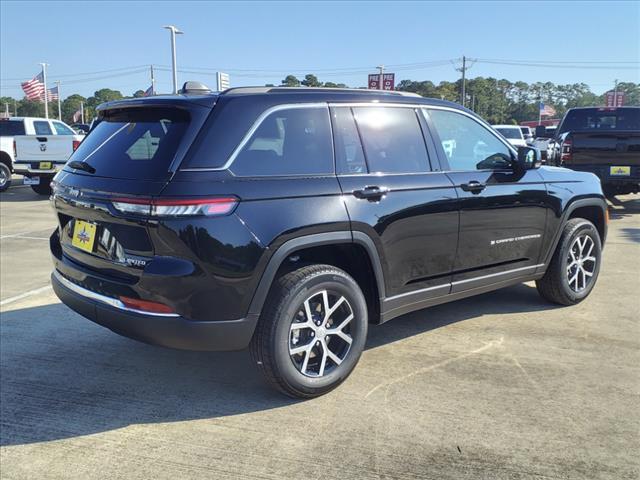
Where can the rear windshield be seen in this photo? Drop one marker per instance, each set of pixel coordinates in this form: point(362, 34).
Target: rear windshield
point(11, 128)
point(134, 143)
point(510, 132)
point(601, 119)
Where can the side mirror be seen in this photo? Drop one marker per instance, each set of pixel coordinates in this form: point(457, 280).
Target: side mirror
point(528, 158)
point(541, 131)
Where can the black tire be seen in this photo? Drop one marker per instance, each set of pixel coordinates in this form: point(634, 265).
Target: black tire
point(555, 285)
point(5, 176)
point(274, 337)
point(43, 188)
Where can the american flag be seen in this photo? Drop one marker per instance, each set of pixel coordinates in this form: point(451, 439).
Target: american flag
point(34, 88)
point(547, 110)
point(77, 116)
point(148, 92)
point(52, 94)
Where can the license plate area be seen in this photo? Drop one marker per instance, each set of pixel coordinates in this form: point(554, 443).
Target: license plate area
point(618, 171)
point(31, 181)
point(84, 235)
point(45, 166)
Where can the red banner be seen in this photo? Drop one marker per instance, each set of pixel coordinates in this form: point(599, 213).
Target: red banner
point(388, 81)
point(615, 99)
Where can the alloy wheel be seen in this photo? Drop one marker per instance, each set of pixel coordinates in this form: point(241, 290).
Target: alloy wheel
point(581, 264)
point(320, 334)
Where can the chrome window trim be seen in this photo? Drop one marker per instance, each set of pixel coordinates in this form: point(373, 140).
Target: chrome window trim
point(113, 302)
point(247, 136)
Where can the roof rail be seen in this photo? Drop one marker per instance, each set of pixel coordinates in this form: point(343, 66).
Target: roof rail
point(280, 89)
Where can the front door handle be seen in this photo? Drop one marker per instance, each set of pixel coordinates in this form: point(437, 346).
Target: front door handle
point(473, 186)
point(372, 193)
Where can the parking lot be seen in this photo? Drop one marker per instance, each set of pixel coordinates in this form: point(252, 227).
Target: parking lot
point(500, 386)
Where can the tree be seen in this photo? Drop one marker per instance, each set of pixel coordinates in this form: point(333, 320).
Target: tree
point(290, 81)
point(138, 94)
point(71, 105)
point(311, 80)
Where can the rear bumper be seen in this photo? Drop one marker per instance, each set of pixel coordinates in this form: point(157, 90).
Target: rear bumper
point(32, 168)
point(603, 172)
point(171, 331)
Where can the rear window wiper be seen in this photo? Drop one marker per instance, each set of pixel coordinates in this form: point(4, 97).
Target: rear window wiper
point(81, 166)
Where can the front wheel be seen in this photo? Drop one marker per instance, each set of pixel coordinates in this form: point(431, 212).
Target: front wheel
point(575, 265)
point(312, 331)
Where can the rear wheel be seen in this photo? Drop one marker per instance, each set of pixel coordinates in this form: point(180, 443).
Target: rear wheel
point(311, 332)
point(5, 176)
point(575, 265)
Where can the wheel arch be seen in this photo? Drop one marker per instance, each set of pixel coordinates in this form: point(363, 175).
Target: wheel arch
point(6, 159)
point(321, 248)
point(593, 209)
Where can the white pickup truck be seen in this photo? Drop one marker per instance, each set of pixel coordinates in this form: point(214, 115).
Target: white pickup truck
point(21, 151)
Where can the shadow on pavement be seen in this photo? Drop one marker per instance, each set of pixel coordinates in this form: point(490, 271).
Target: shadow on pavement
point(21, 193)
point(62, 376)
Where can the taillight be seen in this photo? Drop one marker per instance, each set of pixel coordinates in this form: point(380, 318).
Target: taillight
point(145, 305)
point(183, 207)
point(76, 144)
point(566, 151)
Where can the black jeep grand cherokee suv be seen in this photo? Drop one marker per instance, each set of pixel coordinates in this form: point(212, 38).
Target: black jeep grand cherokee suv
point(289, 219)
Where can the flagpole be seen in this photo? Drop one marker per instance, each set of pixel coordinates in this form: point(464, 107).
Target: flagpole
point(59, 106)
point(153, 82)
point(81, 112)
point(44, 80)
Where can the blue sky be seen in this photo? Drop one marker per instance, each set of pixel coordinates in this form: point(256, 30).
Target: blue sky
point(338, 41)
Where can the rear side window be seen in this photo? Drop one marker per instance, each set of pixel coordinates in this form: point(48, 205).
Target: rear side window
point(392, 139)
point(62, 129)
point(602, 119)
point(294, 141)
point(513, 133)
point(42, 128)
point(134, 143)
point(10, 128)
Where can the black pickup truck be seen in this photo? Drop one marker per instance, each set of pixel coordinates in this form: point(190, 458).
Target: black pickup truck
point(604, 141)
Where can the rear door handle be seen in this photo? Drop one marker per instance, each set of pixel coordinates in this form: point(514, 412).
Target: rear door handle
point(371, 192)
point(473, 186)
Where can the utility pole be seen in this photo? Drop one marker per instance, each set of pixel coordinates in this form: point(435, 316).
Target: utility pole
point(464, 69)
point(381, 79)
point(174, 32)
point(59, 106)
point(15, 108)
point(153, 82)
point(46, 99)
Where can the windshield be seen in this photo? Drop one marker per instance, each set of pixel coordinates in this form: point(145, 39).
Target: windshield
point(510, 132)
point(134, 143)
point(601, 119)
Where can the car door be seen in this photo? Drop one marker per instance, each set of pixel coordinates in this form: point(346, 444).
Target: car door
point(396, 194)
point(502, 208)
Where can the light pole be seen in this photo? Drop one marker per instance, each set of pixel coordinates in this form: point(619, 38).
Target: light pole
point(174, 32)
point(381, 78)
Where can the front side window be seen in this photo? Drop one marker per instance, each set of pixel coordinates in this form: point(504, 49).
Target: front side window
point(392, 139)
point(42, 128)
point(62, 129)
point(467, 144)
point(294, 141)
